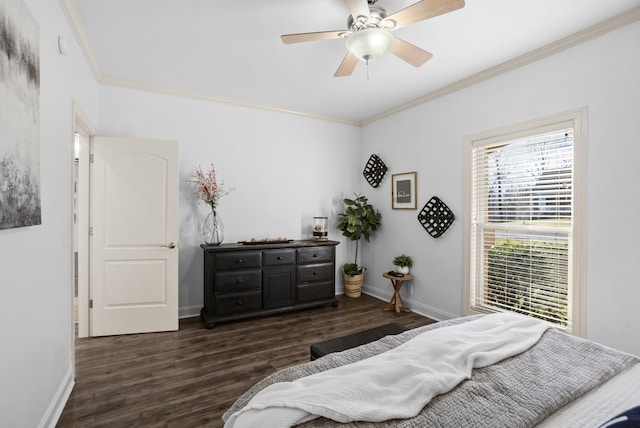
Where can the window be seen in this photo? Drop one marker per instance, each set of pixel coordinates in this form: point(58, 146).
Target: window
point(525, 219)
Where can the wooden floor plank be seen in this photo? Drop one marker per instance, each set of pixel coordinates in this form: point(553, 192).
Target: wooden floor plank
point(190, 377)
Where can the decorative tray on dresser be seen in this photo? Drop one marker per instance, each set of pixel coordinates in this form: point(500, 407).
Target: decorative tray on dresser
point(242, 281)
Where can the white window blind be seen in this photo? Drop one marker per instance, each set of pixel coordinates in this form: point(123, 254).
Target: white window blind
point(521, 235)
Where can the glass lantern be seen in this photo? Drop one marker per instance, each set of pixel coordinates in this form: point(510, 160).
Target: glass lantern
point(320, 228)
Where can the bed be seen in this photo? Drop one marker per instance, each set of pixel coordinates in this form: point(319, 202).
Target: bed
point(552, 380)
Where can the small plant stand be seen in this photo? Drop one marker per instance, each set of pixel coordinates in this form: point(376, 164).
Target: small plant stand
point(396, 301)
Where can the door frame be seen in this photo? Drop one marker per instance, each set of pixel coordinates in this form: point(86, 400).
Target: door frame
point(83, 126)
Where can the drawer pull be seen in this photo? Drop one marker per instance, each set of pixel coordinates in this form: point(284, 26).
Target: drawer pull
point(239, 261)
point(315, 255)
point(238, 281)
point(239, 303)
point(279, 258)
point(314, 273)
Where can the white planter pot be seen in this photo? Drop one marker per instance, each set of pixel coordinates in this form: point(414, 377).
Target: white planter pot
point(402, 269)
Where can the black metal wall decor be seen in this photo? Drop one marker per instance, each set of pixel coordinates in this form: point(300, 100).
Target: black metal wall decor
point(374, 170)
point(436, 217)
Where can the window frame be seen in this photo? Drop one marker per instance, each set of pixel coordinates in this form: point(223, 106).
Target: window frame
point(577, 119)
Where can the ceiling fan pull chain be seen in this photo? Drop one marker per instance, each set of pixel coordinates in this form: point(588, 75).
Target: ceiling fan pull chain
point(367, 62)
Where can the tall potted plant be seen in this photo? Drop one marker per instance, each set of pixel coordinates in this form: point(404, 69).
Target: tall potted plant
point(358, 220)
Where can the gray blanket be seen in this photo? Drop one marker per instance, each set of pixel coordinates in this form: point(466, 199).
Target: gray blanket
point(518, 392)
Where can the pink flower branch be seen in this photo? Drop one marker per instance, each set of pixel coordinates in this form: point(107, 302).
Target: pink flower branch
point(208, 190)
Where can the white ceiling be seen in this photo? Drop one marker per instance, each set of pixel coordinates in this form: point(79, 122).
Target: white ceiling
point(230, 50)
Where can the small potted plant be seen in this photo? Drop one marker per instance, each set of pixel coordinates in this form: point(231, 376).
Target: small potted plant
point(358, 220)
point(403, 263)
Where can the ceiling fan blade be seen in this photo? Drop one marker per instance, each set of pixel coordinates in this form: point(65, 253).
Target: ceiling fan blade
point(409, 53)
point(358, 8)
point(347, 65)
point(311, 37)
point(422, 10)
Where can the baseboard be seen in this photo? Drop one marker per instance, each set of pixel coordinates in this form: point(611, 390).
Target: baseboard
point(429, 311)
point(51, 416)
point(415, 306)
point(379, 293)
point(189, 311)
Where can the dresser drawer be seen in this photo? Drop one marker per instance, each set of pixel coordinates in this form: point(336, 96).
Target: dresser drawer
point(315, 291)
point(235, 281)
point(315, 273)
point(238, 260)
point(230, 304)
point(279, 257)
point(315, 255)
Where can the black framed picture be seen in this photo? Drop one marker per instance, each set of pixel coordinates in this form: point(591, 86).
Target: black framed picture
point(403, 191)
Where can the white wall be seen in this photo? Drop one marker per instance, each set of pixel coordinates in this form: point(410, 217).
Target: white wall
point(285, 169)
point(35, 262)
point(601, 74)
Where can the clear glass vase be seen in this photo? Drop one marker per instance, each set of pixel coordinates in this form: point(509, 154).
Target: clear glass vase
point(213, 228)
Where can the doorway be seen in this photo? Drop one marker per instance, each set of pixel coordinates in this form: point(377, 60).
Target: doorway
point(83, 130)
point(134, 272)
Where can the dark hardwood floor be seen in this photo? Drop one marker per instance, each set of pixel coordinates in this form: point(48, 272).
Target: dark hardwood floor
point(190, 377)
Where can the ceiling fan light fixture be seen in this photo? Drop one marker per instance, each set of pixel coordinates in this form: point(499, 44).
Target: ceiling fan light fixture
point(369, 44)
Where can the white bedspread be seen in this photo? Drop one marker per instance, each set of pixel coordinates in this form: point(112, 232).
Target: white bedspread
point(396, 384)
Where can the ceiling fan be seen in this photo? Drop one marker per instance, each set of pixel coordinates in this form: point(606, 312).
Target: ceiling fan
point(369, 32)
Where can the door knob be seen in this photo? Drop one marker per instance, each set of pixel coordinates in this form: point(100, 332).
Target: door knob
point(171, 245)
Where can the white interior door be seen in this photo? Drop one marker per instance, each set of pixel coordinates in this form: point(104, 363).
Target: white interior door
point(134, 233)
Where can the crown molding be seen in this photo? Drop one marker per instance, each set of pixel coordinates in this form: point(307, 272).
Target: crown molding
point(165, 90)
point(572, 40)
point(633, 15)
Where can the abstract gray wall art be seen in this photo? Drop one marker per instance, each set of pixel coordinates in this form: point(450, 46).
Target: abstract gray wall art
point(19, 116)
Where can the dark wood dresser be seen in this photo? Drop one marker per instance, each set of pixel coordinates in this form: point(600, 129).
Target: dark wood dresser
point(242, 281)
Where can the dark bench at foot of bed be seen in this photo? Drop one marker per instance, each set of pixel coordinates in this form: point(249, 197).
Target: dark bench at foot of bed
point(351, 341)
